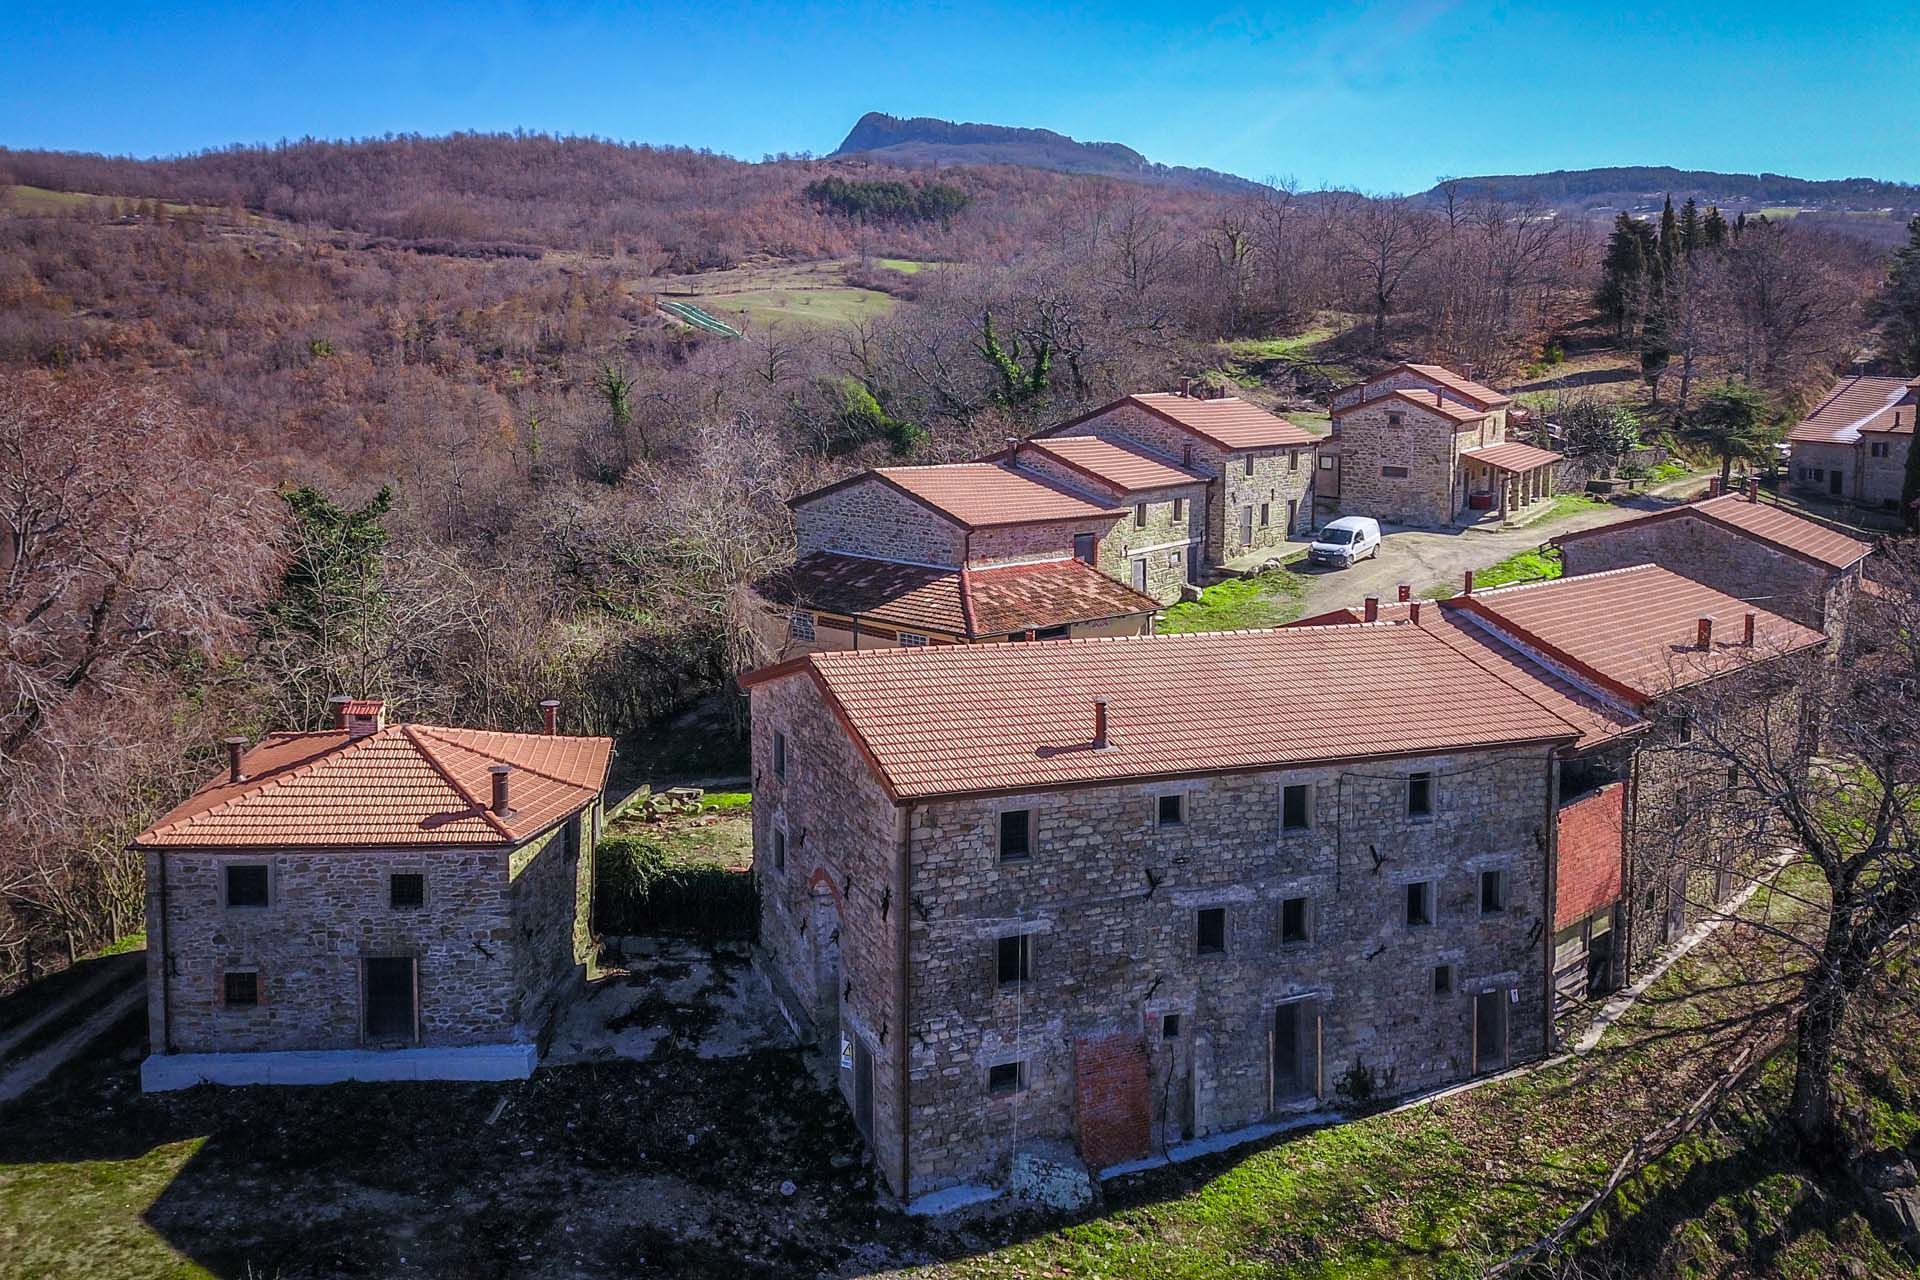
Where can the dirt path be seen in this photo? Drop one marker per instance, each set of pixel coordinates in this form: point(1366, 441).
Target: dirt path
point(31, 1070)
point(14, 1037)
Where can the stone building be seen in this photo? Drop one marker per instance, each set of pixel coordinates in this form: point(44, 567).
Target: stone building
point(1121, 893)
point(1419, 444)
point(1853, 447)
point(1735, 543)
point(371, 901)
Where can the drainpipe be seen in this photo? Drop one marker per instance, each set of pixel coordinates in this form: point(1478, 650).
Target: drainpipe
point(903, 986)
point(1552, 891)
point(1627, 925)
point(166, 962)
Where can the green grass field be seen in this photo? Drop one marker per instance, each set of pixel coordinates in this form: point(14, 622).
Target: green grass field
point(1266, 600)
point(905, 266)
point(827, 306)
point(42, 200)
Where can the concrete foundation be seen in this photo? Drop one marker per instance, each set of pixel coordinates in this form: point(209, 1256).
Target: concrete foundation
point(164, 1071)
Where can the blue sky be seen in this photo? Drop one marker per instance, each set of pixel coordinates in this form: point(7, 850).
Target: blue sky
point(1381, 97)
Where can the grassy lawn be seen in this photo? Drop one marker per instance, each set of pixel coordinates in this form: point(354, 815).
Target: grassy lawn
point(720, 835)
point(1265, 600)
point(1438, 1190)
point(905, 266)
point(1318, 423)
point(763, 307)
point(1536, 565)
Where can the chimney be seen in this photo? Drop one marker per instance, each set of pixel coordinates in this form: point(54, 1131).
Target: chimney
point(1373, 608)
point(501, 773)
point(1468, 590)
point(236, 745)
point(1100, 724)
point(1406, 592)
point(364, 716)
point(1413, 612)
point(1186, 386)
point(1706, 633)
point(1013, 449)
point(1753, 488)
point(1713, 487)
point(1186, 456)
point(1746, 637)
point(550, 715)
point(339, 703)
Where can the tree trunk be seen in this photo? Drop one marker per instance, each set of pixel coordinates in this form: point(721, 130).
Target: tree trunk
point(1811, 1109)
point(1726, 471)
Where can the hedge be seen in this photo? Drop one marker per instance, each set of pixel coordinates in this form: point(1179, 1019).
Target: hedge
point(639, 889)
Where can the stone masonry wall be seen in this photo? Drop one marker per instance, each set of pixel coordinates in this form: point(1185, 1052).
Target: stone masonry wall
point(1037, 540)
point(1281, 483)
point(552, 879)
point(1111, 901)
point(1827, 459)
point(1403, 380)
point(843, 839)
point(1424, 443)
point(1881, 479)
point(1163, 542)
point(871, 518)
point(329, 910)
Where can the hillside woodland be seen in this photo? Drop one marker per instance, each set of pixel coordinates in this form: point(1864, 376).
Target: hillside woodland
point(398, 417)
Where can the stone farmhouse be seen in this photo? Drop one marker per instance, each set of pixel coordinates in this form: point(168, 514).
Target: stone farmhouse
point(1117, 893)
point(1738, 544)
point(1853, 446)
point(1419, 444)
point(371, 902)
point(1086, 529)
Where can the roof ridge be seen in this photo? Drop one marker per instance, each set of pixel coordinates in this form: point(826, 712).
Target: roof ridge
point(426, 753)
point(273, 783)
point(1434, 638)
point(1509, 587)
point(435, 732)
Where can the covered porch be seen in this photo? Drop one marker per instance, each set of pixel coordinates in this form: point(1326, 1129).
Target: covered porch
point(1503, 480)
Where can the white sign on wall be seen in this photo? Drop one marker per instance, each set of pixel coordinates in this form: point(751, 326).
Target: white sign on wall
point(846, 1052)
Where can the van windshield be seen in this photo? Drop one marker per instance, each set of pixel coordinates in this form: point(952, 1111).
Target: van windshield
point(1337, 537)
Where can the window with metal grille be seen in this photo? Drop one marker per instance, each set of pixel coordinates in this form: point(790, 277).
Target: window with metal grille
point(247, 885)
point(240, 988)
point(800, 625)
point(406, 889)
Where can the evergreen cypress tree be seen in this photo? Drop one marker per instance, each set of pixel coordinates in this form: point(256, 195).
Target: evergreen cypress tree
point(1669, 238)
point(1631, 257)
point(1713, 229)
point(1691, 232)
point(1901, 304)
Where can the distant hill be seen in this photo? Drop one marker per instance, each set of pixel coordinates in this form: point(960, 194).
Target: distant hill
point(1643, 186)
point(926, 141)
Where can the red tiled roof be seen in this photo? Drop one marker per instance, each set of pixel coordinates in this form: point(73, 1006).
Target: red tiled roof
point(1856, 405)
point(1461, 415)
point(1762, 521)
point(1484, 396)
point(1127, 468)
point(989, 602)
point(1511, 455)
point(1634, 630)
point(1228, 421)
point(1004, 718)
point(980, 494)
point(408, 785)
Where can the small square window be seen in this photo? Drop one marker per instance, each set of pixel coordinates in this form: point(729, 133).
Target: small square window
point(779, 754)
point(1420, 903)
point(1419, 795)
point(1443, 979)
point(1169, 1026)
point(1296, 807)
point(1014, 959)
point(406, 889)
point(1210, 935)
point(779, 849)
point(1171, 810)
point(1395, 419)
point(247, 885)
point(800, 625)
point(1006, 1077)
point(240, 989)
point(1295, 922)
point(1493, 892)
point(1326, 462)
point(1016, 835)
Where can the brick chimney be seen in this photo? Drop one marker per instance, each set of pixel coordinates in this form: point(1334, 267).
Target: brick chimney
point(1186, 387)
point(1100, 724)
point(1746, 637)
point(1373, 609)
point(1713, 486)
point(1013, 449)
point(502, 773)
point(235, 746)
point(1413, 612)
point(1706, 633)
point(1468, 590)
point(1753, 488)
point(364, 716)
point(550, 716)
point(339, 703)
point(1406, 592)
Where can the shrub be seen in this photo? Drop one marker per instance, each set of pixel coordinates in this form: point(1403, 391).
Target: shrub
point(639, 889)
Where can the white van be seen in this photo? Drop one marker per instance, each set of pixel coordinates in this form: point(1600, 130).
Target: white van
point(1345, 541)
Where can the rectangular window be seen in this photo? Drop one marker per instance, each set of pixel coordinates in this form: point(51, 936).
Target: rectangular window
point(1877, 449)
point(1493, 892)
point(1016, 835)
point(1296, 807)
point(1083, 547)
point(1420, 795)
point(1293, 459)
point(1326, 462)
point(240, 989)
point(1395, 419)
point(1684, 730)
point(1266, 514)
point(779, 849)
point(247, 885)
point(1170, 810)
point(1443, 979)
point(1420, 903)
point(1394, 473)
point(1139, 515)
point(1210, 931)
point(1249, 464)
point(1179, 510)
point(1014, 960)
point(406, 890)
point(779, 754)
point(800, 625)
point(911, 640)
point(1006, 1077)
point(1569, 944)
point(1169, 1026)
point(1295, 922)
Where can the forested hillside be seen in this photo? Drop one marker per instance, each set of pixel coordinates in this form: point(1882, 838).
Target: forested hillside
point(399, 417)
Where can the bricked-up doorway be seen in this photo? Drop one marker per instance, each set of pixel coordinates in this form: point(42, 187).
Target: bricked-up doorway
point(1110, 1099)
point(1489, 1031)
point(1294, 1051)
point(392, 999)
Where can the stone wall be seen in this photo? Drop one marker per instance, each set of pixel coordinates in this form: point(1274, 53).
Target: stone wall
point(1826, 459)
point(1405, 380)
point(1881, 479)
point(871, 518)
point(328, 911)
point(1280, 486)
point(552, 901)
point(1035, 540)
point(1163, 542)
point(1424, 444)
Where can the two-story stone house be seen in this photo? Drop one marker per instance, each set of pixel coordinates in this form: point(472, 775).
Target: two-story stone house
point(1419, 444)
point(371, 902)
point(1259, 468)
point(1853, 446)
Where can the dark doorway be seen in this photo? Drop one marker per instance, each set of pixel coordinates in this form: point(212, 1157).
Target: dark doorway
point(1489, 1031)
point(1296, 1052)
point(1834, 482)
point(1246, 526)
point(390, 998)
point(862, 1087)
point(1600, 965)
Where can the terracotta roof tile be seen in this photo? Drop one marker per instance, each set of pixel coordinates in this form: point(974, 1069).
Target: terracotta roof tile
point(1483, 395)
point(1128, 469)
point(1635, 629)
point(1000, 718)
point(1763, 521)
point(1448, 407)
point(406, 785)
point(1856, 405)
point(986, 493)
point(1511, 455)
point(1026, 597)
point(1229, 421)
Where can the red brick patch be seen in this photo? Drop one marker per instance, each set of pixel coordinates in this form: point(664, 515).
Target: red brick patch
point(1590, 853)
point(1110, 1098)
